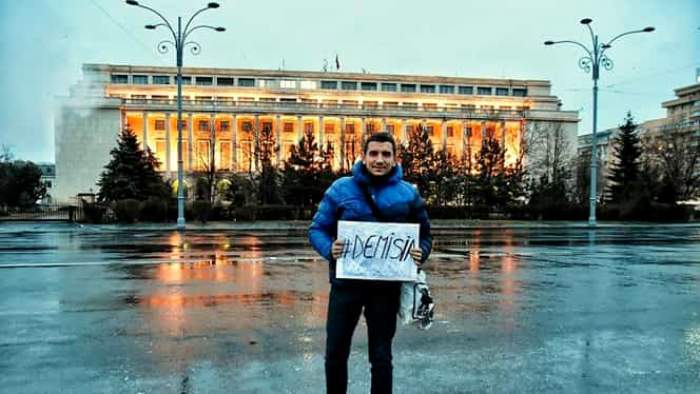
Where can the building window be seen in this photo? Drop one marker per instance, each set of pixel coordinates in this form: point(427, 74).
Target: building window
point(224, 125)
point(350, 128)
point(204, 81)
point(370, 104)
point(202, 154)
point(329, 128)
point(469, 107)
point(246, 82)
point(183, 124)
point(308, 127)
point(203, 125)
point(140, 79)
point(390, 104)
point(160, 124)
point(388, 87)
point(447, 89)
point(519, 92)
point(390, 128)
point(430, 106)
point(427, 88)
point(288, 84)
point(348, 85)
point(408, 88)
point(224, 81)
point(483, 91)
point(225, 153)
point(431, 131)
point(368, 85)
point(465, 90)
point(247, 126)
point(120, 78)
point(308, 85)
point(501, 91)
point(186, 80)
point(329, 85)
point(450, 131)
point(410, 105)
point(161, 80)
point(288, 127)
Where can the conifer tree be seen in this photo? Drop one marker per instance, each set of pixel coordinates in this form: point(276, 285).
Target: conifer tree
point(418, 159)
point(131, 173)
point(625, 168)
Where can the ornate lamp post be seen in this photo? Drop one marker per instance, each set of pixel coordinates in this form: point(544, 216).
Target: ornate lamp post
point(594, 58)
point(179, 41)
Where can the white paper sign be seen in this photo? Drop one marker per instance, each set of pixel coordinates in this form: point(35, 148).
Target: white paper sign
point(377, 251)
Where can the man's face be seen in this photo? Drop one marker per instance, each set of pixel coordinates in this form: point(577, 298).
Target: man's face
point(379, 158)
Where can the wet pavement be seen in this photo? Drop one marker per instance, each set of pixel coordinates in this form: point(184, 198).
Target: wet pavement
point(521, 307)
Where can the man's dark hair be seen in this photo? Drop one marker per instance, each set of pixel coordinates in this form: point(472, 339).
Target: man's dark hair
point(380, 137)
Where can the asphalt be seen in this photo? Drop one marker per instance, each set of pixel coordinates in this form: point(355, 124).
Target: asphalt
point(521, 307)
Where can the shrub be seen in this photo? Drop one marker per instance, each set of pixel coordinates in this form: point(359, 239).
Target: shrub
point(127, 210)
point(154, 210)
point(201, 209)
point(93, 212)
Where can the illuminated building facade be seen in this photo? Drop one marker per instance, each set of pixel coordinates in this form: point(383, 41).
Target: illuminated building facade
point(228, 108)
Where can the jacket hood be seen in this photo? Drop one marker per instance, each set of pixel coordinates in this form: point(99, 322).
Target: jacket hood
point(360, 174)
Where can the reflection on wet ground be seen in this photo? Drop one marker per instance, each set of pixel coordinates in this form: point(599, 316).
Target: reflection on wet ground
point(161, 307)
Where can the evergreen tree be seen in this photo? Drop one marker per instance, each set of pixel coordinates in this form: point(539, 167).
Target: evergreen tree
point(131, 173)
point(491, 178)
point(418, 159)
point(625, 168)
point(307, 172)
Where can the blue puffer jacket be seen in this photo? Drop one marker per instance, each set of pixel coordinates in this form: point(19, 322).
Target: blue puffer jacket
point(397, 199)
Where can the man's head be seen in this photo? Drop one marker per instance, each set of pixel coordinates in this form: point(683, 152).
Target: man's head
point(379, 154)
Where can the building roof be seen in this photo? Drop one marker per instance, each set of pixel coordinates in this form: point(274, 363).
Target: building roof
point(95, 67)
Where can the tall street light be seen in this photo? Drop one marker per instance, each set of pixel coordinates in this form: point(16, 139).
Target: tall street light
point(594, 58)
point(179, 42)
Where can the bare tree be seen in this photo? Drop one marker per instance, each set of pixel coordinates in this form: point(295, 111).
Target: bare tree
point(547, 151)
point(675, 152)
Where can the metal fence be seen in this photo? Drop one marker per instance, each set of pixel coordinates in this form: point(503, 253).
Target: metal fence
point(43, 212)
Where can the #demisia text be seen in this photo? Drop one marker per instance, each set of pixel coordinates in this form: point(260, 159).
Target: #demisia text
point(379, 247)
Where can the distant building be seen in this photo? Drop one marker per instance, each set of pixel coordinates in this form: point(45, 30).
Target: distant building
point(234, 105)
point(48, 178)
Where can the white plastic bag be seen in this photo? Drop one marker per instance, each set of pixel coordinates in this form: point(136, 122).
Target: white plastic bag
point(417, 304)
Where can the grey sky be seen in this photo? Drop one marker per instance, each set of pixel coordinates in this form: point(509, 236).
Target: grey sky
point(46, 41)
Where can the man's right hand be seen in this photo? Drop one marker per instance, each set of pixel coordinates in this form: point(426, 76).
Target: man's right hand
point(337, 248)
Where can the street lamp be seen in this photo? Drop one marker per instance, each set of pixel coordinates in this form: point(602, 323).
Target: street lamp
point(594, 58)
point(179, 42)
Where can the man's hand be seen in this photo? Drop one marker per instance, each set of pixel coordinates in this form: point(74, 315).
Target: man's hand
point(417, 255)
point(337, 248)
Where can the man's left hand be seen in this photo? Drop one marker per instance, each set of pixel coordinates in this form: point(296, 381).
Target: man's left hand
point(417, 255)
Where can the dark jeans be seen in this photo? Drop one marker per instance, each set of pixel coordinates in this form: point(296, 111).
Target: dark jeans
point(381, 303)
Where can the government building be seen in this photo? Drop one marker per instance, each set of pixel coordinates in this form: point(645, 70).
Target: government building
point(225, 110)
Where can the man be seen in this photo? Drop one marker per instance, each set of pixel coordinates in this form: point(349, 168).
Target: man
point(377, 177)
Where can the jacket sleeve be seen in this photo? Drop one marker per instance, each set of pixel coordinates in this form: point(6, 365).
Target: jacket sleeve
point(323, 228)
point(426, 239)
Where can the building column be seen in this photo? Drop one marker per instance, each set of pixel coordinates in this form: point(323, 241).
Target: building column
point(321, 132)
point(212, 140)
point(503, 134)
point(167, 144)
point(144, 136)
point(278, 140)
point(256, 142)
point(234, 143)
point(190, 138)
point(342, 143)
point(363, 127)
point(383, 126)
point(483, 130)
point(300, 128)
point(403, 134)
point(443, 134)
